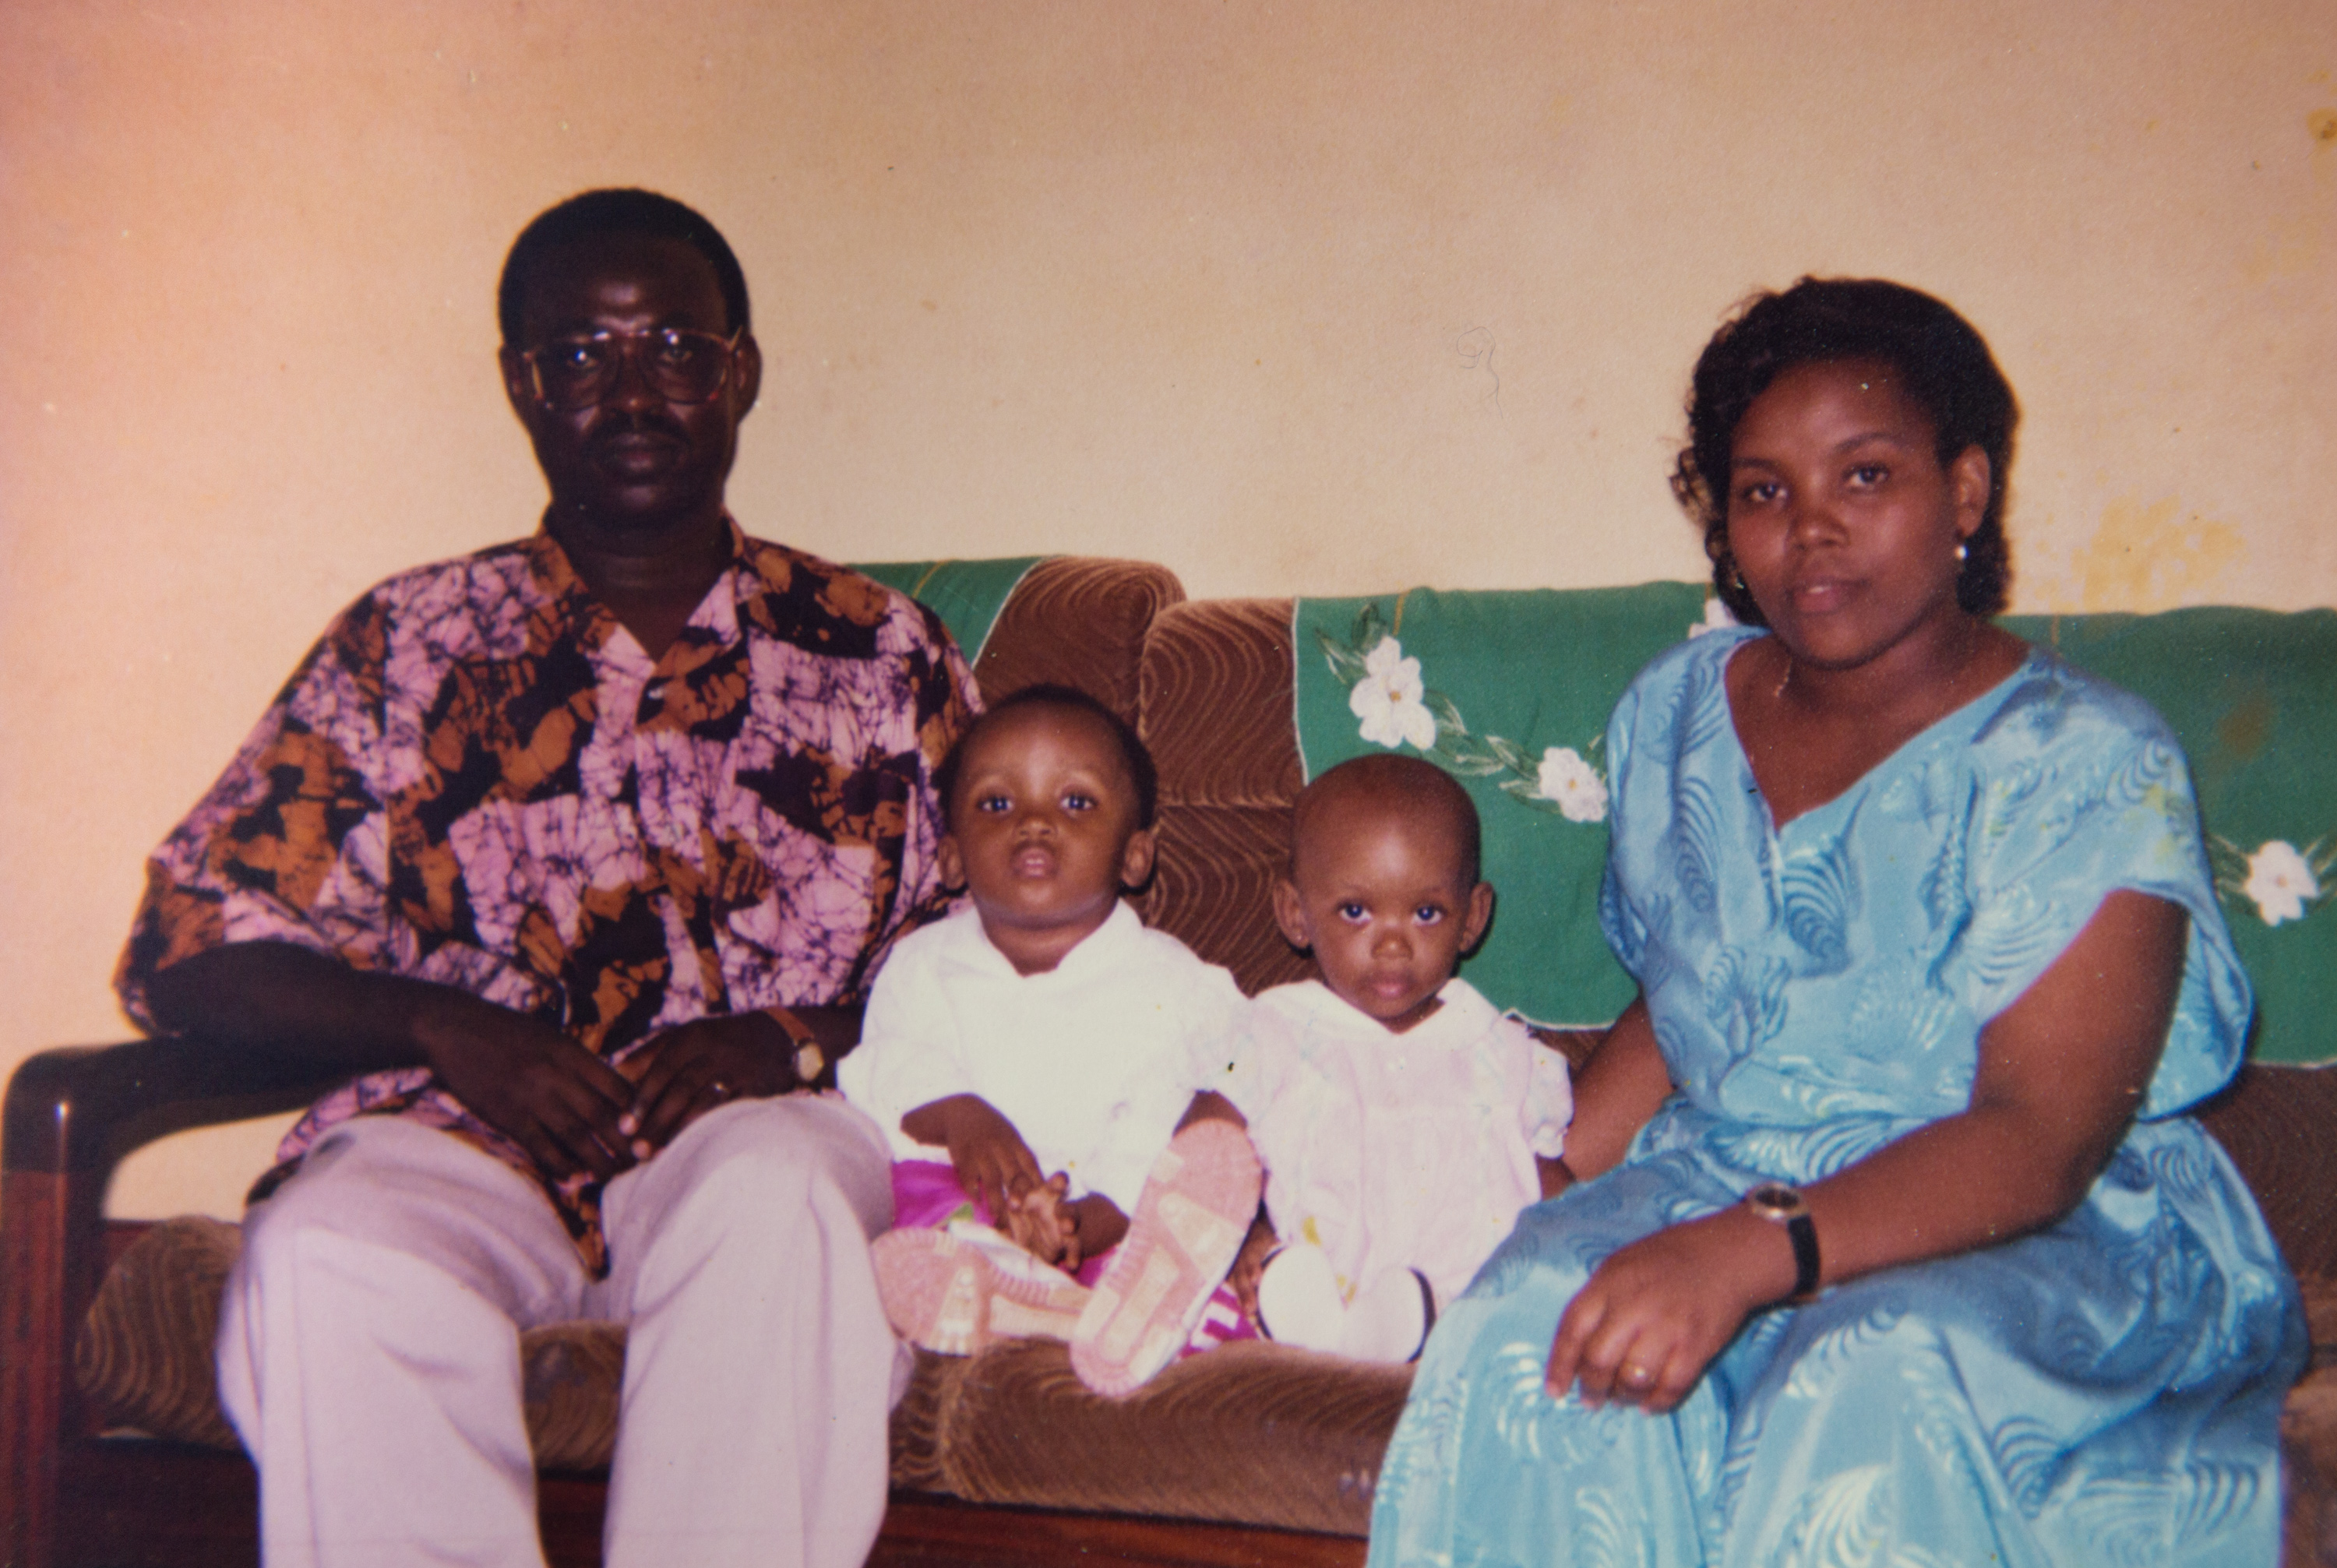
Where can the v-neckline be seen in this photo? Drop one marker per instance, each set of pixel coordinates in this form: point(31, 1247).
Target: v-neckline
point(1857, 786)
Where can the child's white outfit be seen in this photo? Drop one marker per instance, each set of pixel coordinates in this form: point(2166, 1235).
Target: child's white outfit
point(1398, 1151)
point(1094, 1061)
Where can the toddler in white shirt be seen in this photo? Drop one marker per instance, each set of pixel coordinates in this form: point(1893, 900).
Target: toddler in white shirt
point(1041, 1060)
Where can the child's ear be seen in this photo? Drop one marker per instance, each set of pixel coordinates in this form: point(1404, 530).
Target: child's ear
point(1290, 914)
point(1136, 859)
point(950, 861)
point(1481, 915)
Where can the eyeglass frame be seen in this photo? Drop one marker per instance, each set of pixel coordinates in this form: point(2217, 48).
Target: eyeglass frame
point(625, 344)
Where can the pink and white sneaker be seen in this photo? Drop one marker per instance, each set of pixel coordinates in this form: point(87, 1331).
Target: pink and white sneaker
point(1188, 1225)
point(956, 1290)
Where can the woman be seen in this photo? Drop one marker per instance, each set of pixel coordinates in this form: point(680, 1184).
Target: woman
point(1890, 1243)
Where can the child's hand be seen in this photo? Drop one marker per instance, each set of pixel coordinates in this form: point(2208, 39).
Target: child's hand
point(1250, 1263)
point(1043, 1225)
point(993, 1164)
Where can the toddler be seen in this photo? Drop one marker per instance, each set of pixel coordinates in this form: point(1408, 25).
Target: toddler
point(1033, 1055)
point(1401, 1121)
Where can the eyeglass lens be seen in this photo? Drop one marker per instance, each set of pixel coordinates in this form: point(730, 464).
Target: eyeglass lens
point(680, 365)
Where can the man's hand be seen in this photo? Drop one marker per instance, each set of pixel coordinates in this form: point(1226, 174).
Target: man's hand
point(529, 1080)
point(692, 1068)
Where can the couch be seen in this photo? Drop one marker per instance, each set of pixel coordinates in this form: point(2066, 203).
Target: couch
point(113, 1451)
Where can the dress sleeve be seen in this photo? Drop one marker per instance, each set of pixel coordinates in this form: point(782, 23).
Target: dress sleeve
point(2080, 791)
point(1626, 933)
point(289, 844)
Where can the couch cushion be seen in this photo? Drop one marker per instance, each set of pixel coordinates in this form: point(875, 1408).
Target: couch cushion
point(143, 1356)
point(1010, 1425)
point(1078, 621)
point(1249, 1434)
point(1217, 691)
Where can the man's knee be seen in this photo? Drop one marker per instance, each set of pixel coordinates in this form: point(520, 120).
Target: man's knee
point(799, 1155)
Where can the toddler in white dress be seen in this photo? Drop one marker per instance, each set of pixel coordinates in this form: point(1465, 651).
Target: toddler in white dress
point(1402, 1121)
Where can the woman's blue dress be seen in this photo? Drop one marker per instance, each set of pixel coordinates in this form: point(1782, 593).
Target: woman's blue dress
point(2107, 1391)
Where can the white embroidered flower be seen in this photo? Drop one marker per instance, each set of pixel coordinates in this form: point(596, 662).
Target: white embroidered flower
point(1387, 699)
point(1716, 616)
point(2281, 881)
point(1564, 777)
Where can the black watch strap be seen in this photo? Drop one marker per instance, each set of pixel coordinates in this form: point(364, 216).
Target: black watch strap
point(1781, 1205)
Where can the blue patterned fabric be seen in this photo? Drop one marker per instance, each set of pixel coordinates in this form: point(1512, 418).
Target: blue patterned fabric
point(2107, 1391)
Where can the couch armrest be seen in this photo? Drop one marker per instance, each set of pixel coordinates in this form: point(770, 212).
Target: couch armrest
point(70, 1116)
point(79, 1110)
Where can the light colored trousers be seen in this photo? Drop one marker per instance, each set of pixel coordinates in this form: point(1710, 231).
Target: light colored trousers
point(368, 1349)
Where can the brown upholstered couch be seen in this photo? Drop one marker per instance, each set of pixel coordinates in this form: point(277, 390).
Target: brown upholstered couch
point(114, 1453)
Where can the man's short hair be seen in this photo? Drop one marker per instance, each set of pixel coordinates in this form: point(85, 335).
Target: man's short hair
point(1141, 774)
point(596, 214)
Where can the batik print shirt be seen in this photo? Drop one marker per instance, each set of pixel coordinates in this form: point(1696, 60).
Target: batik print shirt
point(478, 777)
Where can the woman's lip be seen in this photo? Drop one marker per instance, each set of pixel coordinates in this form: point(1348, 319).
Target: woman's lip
point(1821, 593)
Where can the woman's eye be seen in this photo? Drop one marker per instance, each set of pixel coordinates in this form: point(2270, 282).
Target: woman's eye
point(1759, 492)
point(1869, 474)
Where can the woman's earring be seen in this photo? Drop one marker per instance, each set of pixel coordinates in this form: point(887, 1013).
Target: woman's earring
point(1959, 552)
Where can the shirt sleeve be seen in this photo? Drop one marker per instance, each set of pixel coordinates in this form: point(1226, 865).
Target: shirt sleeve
point(910, 1052)
point(289, 844)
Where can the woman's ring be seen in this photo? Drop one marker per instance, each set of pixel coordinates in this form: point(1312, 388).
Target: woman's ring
point(1637, 1377)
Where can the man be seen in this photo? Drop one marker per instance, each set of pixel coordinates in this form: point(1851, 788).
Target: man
point(576, 853)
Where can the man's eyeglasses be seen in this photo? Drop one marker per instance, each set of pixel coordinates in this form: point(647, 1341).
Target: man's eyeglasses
point(680, 365)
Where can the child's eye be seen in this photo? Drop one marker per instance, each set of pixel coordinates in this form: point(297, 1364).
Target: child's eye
point(1428, 914)
point(1074, 800)
point(990, 805)
point(1354, 911)
point(1867, 475)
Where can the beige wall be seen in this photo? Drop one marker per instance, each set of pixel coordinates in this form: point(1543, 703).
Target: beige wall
point(1302, 296)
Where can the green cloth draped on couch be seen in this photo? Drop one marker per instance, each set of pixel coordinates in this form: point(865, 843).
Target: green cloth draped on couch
point(1507, 683)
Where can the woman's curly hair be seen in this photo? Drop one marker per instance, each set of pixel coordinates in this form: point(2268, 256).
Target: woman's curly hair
point(1941, 362)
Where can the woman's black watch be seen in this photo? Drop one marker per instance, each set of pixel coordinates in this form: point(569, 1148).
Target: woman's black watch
point(1781, 1205)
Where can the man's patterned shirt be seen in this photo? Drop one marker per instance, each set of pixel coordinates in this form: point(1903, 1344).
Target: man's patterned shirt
point(478, 777)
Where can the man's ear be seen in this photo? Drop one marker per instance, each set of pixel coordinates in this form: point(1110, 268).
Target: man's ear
point(1290, 914)
point(518, 385)
point(1136, 860)
point(747, 373)
point(1481, 915)
point(950, 861)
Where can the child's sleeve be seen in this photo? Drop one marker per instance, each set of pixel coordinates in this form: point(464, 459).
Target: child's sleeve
point(1550, 1100)
point(907, 1053)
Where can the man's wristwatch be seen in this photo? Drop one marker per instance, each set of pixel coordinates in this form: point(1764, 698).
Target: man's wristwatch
point(1781, 1205)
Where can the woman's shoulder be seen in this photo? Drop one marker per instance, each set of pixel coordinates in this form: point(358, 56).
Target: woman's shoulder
point(2051, 707)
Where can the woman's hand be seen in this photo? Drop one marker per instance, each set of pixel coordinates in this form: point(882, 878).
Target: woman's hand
point(1654, 1315)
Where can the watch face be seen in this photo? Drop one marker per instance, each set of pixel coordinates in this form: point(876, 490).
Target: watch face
point(1776, 1201)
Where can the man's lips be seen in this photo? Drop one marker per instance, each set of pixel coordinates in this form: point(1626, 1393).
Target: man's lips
point(636, 451)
